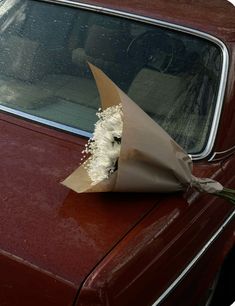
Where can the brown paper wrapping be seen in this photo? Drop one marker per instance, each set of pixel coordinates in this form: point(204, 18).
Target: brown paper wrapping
point(150, 160)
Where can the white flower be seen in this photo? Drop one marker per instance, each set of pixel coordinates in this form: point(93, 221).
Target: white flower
point(105, 144)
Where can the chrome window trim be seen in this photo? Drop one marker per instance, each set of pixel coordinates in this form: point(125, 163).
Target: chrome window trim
point(223, 79)
point(194, 261)
point(45, 121)
point(221, 154)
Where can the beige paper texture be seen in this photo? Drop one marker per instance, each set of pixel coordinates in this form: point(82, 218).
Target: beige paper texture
point(150, 160)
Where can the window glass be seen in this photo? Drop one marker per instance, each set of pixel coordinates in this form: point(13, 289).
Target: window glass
point(44, 50)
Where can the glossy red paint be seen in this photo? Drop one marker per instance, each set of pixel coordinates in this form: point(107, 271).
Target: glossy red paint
point(152, 256)
point(118, 249)
point(25, 284)
point(43, 223)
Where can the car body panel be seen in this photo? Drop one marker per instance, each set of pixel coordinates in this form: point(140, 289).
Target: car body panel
point(115, 249)
point(155, 253)
point(44, 223)
point(225, 138)
point(23, 283)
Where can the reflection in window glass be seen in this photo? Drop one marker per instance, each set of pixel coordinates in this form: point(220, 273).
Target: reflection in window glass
point(44, 49)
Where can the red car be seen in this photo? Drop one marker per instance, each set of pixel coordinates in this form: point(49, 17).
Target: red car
point(176, 60)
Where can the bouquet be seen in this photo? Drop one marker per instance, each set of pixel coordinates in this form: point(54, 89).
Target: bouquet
point(130, 152)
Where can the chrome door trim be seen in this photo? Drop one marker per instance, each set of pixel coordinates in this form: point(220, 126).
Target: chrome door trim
point(193, 261)
point(224, 72)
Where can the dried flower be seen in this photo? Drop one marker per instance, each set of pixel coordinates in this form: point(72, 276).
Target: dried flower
point(105, 144)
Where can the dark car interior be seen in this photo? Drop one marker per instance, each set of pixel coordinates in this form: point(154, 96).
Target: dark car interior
point(45, 48)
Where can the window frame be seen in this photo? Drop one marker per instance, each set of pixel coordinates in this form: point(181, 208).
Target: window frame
point(223, 77)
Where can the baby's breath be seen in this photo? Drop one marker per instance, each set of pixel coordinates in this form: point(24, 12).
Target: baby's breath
point(105, 144)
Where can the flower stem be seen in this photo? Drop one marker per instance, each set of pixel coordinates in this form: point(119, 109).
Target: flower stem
point(228, 194)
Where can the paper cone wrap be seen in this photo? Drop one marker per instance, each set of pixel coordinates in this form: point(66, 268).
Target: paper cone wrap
point(150, 160)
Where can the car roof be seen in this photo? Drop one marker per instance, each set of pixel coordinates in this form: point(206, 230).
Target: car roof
point(216, 17)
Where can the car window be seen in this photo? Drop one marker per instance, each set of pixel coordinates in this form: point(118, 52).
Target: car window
point(44, 50)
